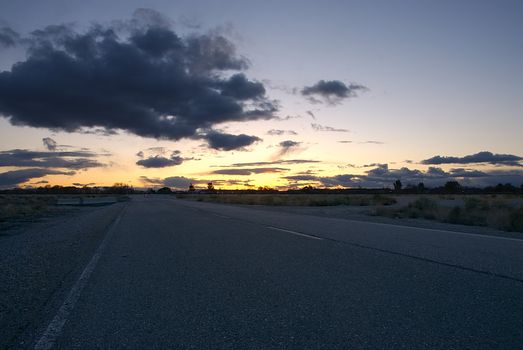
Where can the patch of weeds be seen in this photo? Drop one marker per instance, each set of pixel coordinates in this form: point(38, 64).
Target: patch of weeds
point(515, 221)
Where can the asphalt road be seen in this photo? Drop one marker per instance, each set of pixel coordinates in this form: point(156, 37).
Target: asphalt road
point(186, 275)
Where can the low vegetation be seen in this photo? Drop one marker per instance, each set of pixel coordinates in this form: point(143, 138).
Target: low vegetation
point(24, 206)
point(292, 199)
point(15, 207)
point(500, 212)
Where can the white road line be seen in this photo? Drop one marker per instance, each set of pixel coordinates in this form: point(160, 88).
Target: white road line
point(222, 216)
point(54, 329)
point(474, 235)
point(294, 233)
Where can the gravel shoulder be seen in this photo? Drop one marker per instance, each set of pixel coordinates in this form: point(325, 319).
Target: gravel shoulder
point(39, 261)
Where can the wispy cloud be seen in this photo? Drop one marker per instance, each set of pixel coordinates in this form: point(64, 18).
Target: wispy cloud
point(248, 171)
point(318, 127)
point(277, 162)
point(279, 132)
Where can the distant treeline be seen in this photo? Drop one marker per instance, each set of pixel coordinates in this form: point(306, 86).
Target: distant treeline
point(115, 189)
point(451, 187)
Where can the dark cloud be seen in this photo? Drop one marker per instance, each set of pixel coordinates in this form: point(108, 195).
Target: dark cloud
point(371, 165)
point(8, 37)
point(287, 147)
point(289, 161)
point(303, 177)
point(182, 182)
point(331, 91)
point(318, 127)
point(41, 182)
point(159, 157)
point(248, 171)
point(54, 159)
point(278, 132)
point(138, 76)
point(17, 177)
point(344, 141)
point(78, 184)
point(480, 157)
point(160, 162)
point(460, 172)
point(288, 117)
point(178, 182)
point(228, 142)
point(49, 143)
point(382, 176)
point(239, 87)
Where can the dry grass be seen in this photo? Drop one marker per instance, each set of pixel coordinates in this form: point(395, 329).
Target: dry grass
point(29, 206)
point(500, 212)
point(293, 199)
point(24, 206)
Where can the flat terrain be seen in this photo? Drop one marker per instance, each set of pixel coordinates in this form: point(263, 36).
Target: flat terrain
point(158, 272)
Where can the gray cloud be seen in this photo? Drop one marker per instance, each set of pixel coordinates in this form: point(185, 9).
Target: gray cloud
point(228, 142)
point(182, 182)
point(179, 182)
point(78, 184)
point(303, 177)
point(16, 177)
point(138, 76)
point(318, 127)
point(54, 159)
point(278, 132)
point(49, 143)
point(8, 37)
point(248, 171)
point(382, 176)
point(289, 161)
point(344, 141)
point(287, 147)
point(160, 162)
point(480, 157)
point(331, 91)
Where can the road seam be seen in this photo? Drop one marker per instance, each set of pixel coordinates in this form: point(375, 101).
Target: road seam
point(294, 233)
point(54, 329)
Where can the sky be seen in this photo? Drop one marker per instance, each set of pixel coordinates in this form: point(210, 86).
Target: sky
point(246, 94)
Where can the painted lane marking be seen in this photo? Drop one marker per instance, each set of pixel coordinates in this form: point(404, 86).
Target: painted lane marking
point(457, 233)
point(222, 216)
point(294, 233)
point(54, 329)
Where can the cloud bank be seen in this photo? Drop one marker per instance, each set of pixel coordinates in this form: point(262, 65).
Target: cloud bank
point(480, 157)
point(382, 176)
point(139, 76)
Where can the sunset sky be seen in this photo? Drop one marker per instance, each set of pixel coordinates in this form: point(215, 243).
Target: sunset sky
point(267, 93)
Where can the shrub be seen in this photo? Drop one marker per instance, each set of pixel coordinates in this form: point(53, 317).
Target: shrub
point(516, 220)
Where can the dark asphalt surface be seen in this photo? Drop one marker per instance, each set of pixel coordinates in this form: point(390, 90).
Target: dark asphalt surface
point(184, 275)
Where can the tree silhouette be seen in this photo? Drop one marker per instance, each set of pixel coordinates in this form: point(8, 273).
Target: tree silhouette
point(191, 188)
point(210, 187)
point(397, 185)
point(164, 190)
point(452, 187)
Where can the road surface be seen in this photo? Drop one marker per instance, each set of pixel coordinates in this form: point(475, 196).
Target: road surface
point(164, 273)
